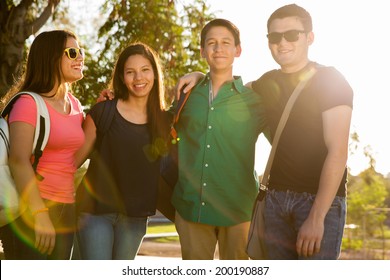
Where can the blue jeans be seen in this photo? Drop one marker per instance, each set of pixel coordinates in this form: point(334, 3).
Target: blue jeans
point(285, 213)
point(111, 236)
point(18, 237)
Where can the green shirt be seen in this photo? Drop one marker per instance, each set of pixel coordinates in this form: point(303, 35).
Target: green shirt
point(217, 182)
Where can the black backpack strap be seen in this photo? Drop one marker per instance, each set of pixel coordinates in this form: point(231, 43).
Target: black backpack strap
point(38, 149)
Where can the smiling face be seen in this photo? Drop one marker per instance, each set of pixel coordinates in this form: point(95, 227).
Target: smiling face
point(72, 70)
point(219, 48)
point(291, 56)
point(138, 76)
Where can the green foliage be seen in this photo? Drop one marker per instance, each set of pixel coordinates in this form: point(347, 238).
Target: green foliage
point(368, 204)
point(171, 28)
point(366, 195)
point(351, 243)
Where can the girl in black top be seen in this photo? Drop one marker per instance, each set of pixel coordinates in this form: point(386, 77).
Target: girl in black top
point(128, 135)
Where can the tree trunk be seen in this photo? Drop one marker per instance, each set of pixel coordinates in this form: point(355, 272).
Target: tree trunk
point(17, 23)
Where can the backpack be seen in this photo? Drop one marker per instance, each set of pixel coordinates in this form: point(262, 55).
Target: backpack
point(10, 208)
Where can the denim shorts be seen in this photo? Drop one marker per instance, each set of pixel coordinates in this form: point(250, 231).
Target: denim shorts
point(284, 215)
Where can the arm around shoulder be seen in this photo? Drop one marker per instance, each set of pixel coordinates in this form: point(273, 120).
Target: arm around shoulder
point(187, 82)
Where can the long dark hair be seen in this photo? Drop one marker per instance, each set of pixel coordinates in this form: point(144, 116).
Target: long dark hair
point(158, 120)
point(43, 66)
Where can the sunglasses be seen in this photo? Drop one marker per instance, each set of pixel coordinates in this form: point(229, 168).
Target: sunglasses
point(73, 53)
point(290, 36)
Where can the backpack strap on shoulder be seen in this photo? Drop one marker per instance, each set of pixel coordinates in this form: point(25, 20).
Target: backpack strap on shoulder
point(42, 124)
point(105, 120)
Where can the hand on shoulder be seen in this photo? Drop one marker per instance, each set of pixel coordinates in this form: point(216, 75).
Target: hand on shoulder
point(105, 94)
point(187, 82)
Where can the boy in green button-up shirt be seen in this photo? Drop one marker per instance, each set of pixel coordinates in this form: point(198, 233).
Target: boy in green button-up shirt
point(218, 130)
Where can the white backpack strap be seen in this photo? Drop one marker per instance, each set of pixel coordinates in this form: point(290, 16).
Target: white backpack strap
point(42, 128)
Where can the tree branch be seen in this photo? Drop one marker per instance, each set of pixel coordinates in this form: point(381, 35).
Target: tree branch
point(41, 20)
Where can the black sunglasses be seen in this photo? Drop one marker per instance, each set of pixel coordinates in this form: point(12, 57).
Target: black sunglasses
point(73, 53)
point(290, 36)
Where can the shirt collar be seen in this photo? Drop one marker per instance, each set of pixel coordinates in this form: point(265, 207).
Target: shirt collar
point(236, 84)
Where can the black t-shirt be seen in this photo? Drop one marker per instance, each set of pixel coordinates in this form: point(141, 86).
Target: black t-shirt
point(127, 176)
point(301, 151)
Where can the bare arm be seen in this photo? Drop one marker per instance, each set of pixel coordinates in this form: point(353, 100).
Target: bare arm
point(187, 82)
point(336, 124)
point(90, 138)
point(21, 139)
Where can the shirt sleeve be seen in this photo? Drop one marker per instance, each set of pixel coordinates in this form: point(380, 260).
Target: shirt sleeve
point(24, 110)
point(333, 89)
point(96, 111)
point(267, 80)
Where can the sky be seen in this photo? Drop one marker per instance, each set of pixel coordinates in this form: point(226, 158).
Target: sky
point(349, 35)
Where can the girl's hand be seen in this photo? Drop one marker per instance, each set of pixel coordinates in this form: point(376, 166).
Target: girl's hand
point(45, 235)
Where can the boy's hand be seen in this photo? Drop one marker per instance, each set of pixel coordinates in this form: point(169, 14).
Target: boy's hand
point(105, 94)
point(187, 82)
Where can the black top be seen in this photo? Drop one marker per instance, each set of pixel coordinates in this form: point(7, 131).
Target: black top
point(127, 175)
point(301, 150)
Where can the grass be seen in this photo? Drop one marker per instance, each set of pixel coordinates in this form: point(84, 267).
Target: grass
point(163, 228)
point(167, 239)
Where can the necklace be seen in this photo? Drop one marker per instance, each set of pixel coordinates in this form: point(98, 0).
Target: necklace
point(211, 94)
